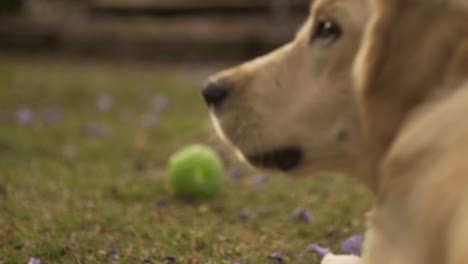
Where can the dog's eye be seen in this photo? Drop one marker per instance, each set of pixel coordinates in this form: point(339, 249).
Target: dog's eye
point(326, 32)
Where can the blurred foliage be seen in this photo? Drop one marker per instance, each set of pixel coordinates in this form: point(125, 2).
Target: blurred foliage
point(11, 6)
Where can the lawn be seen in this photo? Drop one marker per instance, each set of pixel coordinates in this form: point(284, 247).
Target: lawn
point(83, 151)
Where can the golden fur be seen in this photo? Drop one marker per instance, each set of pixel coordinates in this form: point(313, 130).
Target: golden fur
point(410, 76)
point(404, 119)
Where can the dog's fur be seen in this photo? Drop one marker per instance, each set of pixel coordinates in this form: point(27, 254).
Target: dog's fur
point(410, 76)
point(402, 130)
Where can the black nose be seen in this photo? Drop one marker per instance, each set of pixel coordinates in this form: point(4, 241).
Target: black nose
point(215, 93)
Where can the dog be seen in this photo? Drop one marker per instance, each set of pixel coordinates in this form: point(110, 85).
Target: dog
point(392, 116)
point(293, 109)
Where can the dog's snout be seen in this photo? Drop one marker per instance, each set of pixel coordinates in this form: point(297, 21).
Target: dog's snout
point(215, 92)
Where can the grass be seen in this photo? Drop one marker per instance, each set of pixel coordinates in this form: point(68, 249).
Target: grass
point(71, 191)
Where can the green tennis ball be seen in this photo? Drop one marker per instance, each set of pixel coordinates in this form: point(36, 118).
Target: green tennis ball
point(195, 171)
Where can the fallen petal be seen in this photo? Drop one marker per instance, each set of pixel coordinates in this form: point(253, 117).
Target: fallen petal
point(277, 256)
point(237, 173)
point(307, 216)
point(259, 179)
point(161, 203)
point(160, 103)
point(51, 115)
point(24, 116)
point(104, 102)
point(34, 261)
point(149, 119)
point(295, 214)
point(353, 245)
point(302, 214)
point(96, 130)
point(169, 258)
point(115, 254)
point(318, 250)
point(245, 216)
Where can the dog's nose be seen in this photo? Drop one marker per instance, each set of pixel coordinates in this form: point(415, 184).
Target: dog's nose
point(215, 93)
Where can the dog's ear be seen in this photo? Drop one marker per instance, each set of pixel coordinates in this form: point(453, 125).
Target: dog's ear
point(404, 55)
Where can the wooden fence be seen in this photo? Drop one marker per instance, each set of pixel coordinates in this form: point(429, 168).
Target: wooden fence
point(157, 29)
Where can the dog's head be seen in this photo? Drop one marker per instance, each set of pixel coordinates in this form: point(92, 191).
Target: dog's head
point(293, 109)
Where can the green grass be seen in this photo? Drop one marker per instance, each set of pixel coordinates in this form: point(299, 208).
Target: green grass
point(68, 197)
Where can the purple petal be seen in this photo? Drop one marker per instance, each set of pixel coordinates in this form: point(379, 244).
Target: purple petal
point(34, 261)
point(277, 256)
point(149, 119)
point(24, 116)
point(96, 130)
point(318, 250)
point(295, 214)
point(259, 179)
point(115, 254)
point(161, 203)
point(147, 261)
point(237, 262)
point(308, 216)
point(303, 214)
point(169, 258)
point(245, 216)
point(104, 102)
point(51, 115)
point(353, 245)
point(237, 173)
point(160, 103)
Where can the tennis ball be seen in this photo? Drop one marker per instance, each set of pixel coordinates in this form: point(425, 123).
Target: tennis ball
point(195, 172)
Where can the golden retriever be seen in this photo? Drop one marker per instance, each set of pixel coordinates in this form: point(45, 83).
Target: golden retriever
point(400, 128)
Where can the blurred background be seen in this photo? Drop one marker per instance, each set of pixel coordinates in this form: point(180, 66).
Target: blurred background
point(150, 30)
point(95, 95)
